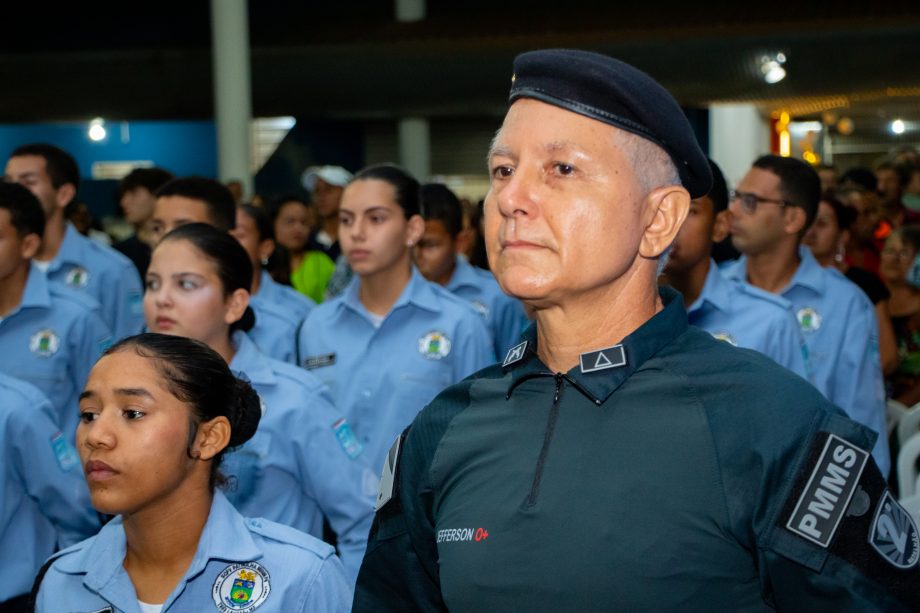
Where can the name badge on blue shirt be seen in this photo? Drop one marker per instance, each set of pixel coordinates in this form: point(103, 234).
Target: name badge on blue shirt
point(347, 439)
point(64, 452)
point(318, 361)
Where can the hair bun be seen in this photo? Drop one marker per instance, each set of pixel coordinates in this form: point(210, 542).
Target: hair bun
point(244, 413)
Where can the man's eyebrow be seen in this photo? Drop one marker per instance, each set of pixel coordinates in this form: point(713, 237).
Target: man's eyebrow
point(498, 149)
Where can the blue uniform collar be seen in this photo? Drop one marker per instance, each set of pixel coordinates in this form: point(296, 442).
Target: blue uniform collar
point(71, 250)
point(249, 361)
point(267, 287)
point(599, 383)
point(225, 537)
point(464, 276)
point(809, 274)
point(715, 291)
point(418, 292)
point(36, 293)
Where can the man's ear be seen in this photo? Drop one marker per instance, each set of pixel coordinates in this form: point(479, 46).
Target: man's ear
point(668, 207)
point(415, 230)
point(720, 228)
point(64, 195)
point(30, 245)
point(794, 218)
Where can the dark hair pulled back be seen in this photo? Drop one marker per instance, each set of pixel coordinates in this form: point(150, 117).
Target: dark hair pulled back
point(230, 259)
point(198, 376)
point(406, 187)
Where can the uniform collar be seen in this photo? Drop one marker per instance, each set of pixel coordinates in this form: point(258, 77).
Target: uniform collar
point(715, 291)
point(599, 384)
point(71, 250)
point(225, 537)
point(464, 275)
point(809, 274)
point(418, 292)
point(267, 287)
point(249, 361)
point(37, 292)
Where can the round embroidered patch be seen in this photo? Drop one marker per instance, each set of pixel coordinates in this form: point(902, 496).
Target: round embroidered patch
point(894, 534)
point(44, 343)
point(241, 588)
point(725, 336)
point(434, 345)
point(77, 277)
point(809, 319)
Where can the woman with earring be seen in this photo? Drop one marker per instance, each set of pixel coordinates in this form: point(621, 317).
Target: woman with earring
point(392, 340)
point(307, 270)
point(827, 238)
point(303, 464)
point(157, 415)
point(279, 309)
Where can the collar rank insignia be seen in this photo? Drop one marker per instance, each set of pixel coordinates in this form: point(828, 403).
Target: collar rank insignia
point(515, 354)
point(602, 359)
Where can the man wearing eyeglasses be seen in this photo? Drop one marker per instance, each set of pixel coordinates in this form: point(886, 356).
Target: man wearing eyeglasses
point(734, 312)
point(771, 209)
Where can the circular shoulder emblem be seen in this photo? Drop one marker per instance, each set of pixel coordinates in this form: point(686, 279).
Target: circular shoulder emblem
point(725, 336)
point(894, 534)
point(44, 343)
point(809, 319)
point(241, 588)
point(434, 345)
point(77, 277)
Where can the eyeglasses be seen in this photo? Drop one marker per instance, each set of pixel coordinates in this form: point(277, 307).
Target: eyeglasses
point(750, 201)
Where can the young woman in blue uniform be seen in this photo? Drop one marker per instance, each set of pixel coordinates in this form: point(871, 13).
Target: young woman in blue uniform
point(156, 417)
point(303, 463)
point(279, 309)
point(392, 340)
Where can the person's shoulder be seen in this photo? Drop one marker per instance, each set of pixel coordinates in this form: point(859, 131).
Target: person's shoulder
point(452, 305)
point(327, 309)
point(294, 375)
point(841, 288)
point(274, 314)
point(65, 297)
point(293, 544)
point(74, 559)
point(770, 300)
point(742, 385)
point(105, 257)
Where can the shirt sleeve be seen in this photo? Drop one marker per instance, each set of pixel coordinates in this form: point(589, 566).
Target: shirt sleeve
point(337, 481)
point(840, 541)
point(330, 591)
point(858, 386)
point(475, 350)
point(123, 301)
point(48, 467)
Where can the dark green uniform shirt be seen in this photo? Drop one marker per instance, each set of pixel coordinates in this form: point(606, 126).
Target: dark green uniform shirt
point(672, 472)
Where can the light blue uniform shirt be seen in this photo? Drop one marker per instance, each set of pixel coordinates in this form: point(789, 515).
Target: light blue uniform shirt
point(106, 275)
point(51, 340)
point(504, 315)
point(840, 329)
point(382, 377)
point(264, 565)
point(45, 502)
point(279, 315)
point(749, 317)
point(303, 462)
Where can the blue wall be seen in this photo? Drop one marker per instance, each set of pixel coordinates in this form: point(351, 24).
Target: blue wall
point(182, 147)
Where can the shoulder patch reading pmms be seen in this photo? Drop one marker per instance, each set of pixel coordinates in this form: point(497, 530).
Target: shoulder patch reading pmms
point(828, 491)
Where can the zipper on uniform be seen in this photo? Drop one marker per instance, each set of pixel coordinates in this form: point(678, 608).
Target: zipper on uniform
point(547, 439)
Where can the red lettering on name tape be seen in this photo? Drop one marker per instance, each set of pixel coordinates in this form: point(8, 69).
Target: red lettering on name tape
point(481, 534)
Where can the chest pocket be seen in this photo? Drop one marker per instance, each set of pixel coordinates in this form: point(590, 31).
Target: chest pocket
point(246, 467)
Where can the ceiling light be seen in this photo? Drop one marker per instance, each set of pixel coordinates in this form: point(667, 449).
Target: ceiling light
point(897, 127)
point(96, 130)
point(771, 67)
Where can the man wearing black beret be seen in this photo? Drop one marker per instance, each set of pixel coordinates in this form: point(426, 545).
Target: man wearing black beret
point(619, 459)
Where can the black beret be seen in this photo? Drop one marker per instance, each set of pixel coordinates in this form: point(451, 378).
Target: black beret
point(611, 91)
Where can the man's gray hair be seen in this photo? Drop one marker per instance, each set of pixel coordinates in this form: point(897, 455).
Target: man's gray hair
point(652, 166)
